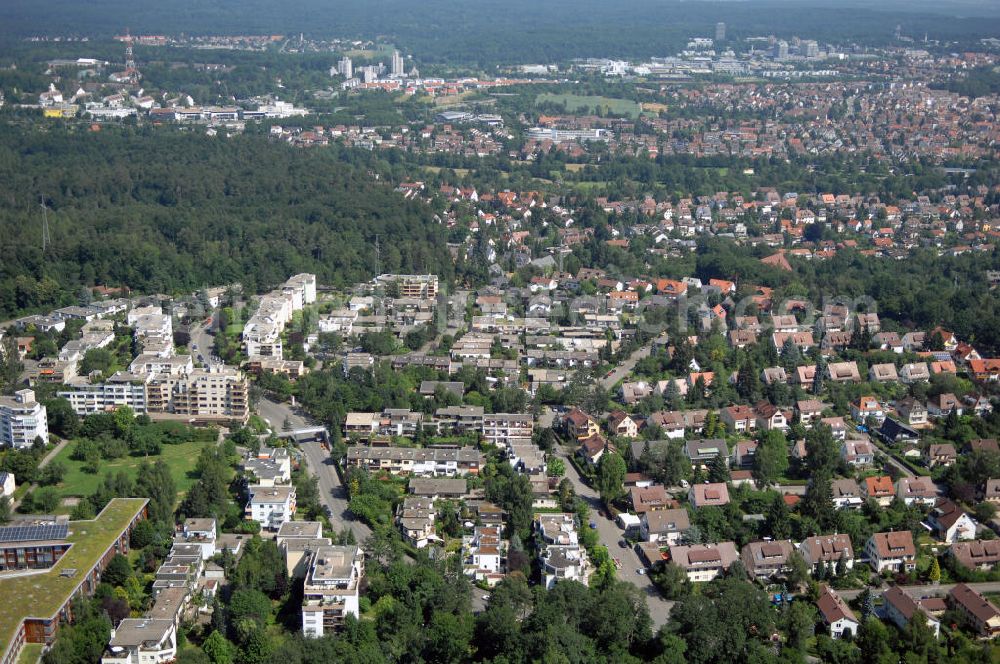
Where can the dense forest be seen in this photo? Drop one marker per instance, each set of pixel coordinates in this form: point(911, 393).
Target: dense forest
point(488, 33)
point(163, 210)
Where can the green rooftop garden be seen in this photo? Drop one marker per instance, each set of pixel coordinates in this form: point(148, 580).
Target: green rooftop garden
point(41, 595)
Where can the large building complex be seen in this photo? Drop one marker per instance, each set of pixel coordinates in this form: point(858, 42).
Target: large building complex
point(43, 601)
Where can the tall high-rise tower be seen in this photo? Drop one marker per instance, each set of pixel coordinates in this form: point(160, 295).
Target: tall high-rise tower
point(720, 32)
point(397, 65)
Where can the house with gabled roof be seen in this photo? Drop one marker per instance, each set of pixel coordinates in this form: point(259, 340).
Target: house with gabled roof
point(879, 489)
point(950, 522)
point(836, 615)
point(916, 490)
point(708, 495)
point(824, 550)
point(893, 551)
point(900, 607)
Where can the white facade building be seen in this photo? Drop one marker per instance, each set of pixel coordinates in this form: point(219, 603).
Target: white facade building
point(22, 420)
point(330, 592)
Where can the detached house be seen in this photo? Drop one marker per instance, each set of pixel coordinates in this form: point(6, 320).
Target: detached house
point(846, 494)
point(857, 452)
point(843, 372)
point(824, 550)
point(740, 419)
point(981, 613)
point(892, 551)
point(701, 452)
point(664, 526)
point(580, 425)
point(621, 424)
point(941, 454)
point(900, 608)
point(836, 615)
point(916, 490)
point(593, 448)
point(704, 562)
point(978, 554)
point(879, 489)
point(708, 495)
point(950, 522)
point(769, 417)
point(865, 407)
point(764, 560)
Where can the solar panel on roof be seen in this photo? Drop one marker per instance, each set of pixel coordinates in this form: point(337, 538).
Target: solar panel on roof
point(33, 533)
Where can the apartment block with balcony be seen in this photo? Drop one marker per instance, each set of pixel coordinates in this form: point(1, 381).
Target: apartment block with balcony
point(331, 589)
point(22, 420)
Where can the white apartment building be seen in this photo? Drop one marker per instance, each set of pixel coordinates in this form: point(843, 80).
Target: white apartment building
point(22, 419)
point(484, 554)
point(142, 641)
point(262, 333)
point(331, 588)
point(561, 556)
point(270, 506)
point(504, 429)
point(121, 389)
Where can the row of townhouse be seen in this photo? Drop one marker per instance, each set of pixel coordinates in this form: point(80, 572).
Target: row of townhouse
point(420, 462)
point(499, 429)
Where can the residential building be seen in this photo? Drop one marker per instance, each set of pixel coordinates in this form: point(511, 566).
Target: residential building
point(22, 420)
point(415, 518)
point(769, 417)
point(739, 419)
point(763, 560)
point(664, 526)
point(503, 429)
point(561, 555)
point(941, 454)
point(916, 490)
point(893, 551)
point(270, 506)
point(857, 452)
point(621, 424)
point(825, 550)
point(331, 589)
point(580, 425)
point(911, 412)
point(846, 494)
point(810, 411)
point(708, 495)
point(650, 499)
point(142, 641)
point(879, 489)
point(950, 522)
point(836, 615)
point(843, 372)
point(44, 598)
point(895, 432)
point(7, 484)
point(32, 543)
point(484, 555)
point(865, 407)
point(701, 452)
point(421, 462)
point(981, 614)
point(900, 607)
point(593, 448)
point(977, 554)
point(704, 562)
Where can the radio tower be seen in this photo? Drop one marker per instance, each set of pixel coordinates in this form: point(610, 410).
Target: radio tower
point(130, 69)
point(46, 238)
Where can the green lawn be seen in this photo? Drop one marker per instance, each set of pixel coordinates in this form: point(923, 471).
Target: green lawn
point(590, 103)
point(180, 458)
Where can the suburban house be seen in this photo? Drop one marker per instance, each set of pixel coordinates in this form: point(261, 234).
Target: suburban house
point(882, 373)
point(915, 372)
point(824, 550)
point(809, 410)
point(950, 522)
point(895, 432)
point(836, 615)
point(664, 526)
point(708, 495)
point(704, 562)
point(977, 554)
point(739, 419)
point(900, 608)
point(916, 490)
point(650, 499)
point(865, 407)
point(941, 454)
point(593, 448)
point(893, 551)
point(857, 452)
point(911, 412)
point(744, 453)
point(942, 405)
point(580, 425)
point(846, 494)
point(770, 417)
point(764, 560)
point(843, 372)
point(981, 613)
point(621, 424)
point(701, 452)
point(879, 489)
point(991, 492)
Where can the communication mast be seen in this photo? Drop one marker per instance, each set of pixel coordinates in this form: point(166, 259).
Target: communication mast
point(46, 237)
point(131, 71)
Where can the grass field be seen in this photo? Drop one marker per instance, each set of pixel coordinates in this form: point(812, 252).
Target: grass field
point(590, 103)
point(180, 458)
